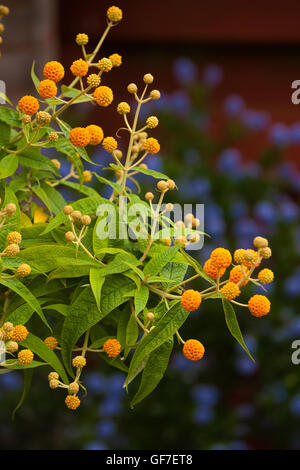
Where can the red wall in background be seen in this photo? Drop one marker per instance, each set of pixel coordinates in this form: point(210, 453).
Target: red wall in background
point(256, 43)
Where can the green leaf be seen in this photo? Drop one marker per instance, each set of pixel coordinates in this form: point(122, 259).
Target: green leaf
point(132, 333)
point(88, 205)
point(122, 325)
point(34, 78)
point(96, 280)
point(86, 190)
point(38, 346)
point(141, 298)
point(46, 258)
point(21, 315)
point(233, 325)
point(156, 264)
point(115, 186)
point(8, 166)
point(4, 134)
point(50, 197)
point(175, 272)
point(146, 171)
point(33, 158)
point(27, 382)
point(118, 264)
point(84, 313)
point(10, 116)
point(154, 371)
point(167, 326)
point(197, 267)
point(64, 146)
point(15, 285)
point(72, 93)
point(13, 365)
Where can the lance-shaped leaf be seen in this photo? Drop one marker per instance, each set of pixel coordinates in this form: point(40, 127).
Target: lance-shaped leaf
point(233, 325)
point(8, 166)
point(170, 322)
point(154, 371)
point(157, 263)
point(15, 285)
point(44, 352)
point(141, 298)
point(84, 313)
point(197, 267)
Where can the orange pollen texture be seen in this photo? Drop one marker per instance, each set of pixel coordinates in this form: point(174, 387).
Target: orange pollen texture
point(193, 350)
point(191, 300)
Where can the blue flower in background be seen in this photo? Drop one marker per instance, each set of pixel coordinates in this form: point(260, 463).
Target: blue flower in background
point(295, 405)
point(245, 366)
point(239, 209)
point(233, 105)
point(196, 188)
point(203, 415)
point(212, 75)
point(266, 212)
point(255, 120)
point(291, 285)
point(245, 227)
point(237, 445)
point(229, 162)
point(95, 445)
point(11, 381)
point(295, 133)
point(110, 406)
point(180, 102)
point(105, 429)
point(115, 383)
point(185, 71)
point(279, 134)
point(205, 395)
point(96, 382)
point(214, 220)
point(288, 210)
point(251, 344)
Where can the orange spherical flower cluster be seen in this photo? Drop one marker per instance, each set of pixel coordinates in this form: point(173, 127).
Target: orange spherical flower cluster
point(238, 256)
point(96, 134)
point(87, 176)
point(230, 290)
point(94, 80)
point(221, 258)
point(212, 270)
point(116, 60)
point(51, 342)
point(79, 361)
point(54, 71)
point(151, 145)
point(191, 300)
point(112, 347)
point(237, 273)
point(259, 305)
point(24, 270)
point(103, 96)
point(72, 402)
point(47, 88)
point(114, 14)
point(25, 356)
point(79, 68)
point(109, 144)
point(251, 258)
point(265, 276)
point(28, 104)
point(19, 333)
point(105, 64)
point(193, 350)
point(79, 137)
point(14, 237)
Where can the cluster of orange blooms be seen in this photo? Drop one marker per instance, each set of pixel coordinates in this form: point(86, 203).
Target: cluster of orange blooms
point(240, 274)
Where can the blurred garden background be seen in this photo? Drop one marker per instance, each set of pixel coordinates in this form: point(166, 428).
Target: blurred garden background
point(230, 137)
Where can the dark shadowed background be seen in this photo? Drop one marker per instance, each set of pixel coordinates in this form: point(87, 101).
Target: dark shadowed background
point(230, 137)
